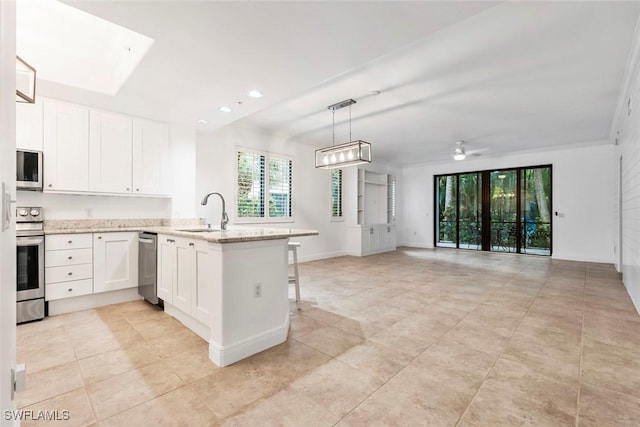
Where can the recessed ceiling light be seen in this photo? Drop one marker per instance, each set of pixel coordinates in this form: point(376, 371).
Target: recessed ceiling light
point(203, 122)
point(225, 109)
point(255, 94)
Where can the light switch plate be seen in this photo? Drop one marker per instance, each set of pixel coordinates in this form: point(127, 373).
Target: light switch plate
point(19, 377)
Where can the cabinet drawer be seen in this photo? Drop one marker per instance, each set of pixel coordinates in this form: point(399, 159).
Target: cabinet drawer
point(68, 241)
point(68, 289)
point(68, 257)
point(68, 273)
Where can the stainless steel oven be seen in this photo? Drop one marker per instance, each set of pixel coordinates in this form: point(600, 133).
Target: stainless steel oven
point(30, 264)
point(29, 170)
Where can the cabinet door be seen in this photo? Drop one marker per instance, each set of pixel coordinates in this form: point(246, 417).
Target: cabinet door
point(366, 239)
point(66, 146)
point(391, 237)
point(202, 296)
point(185, 275)
point(115, 261)
point(166, 268)
point(151, 171)
point(29, 120)
point(110, 142)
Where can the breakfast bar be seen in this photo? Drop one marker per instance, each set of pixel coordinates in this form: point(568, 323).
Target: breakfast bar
point(238, 287)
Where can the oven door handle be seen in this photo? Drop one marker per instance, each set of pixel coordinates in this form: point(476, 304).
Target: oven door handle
point(29, 241)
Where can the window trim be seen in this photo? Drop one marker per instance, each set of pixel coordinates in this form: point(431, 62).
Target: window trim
point(266, 219)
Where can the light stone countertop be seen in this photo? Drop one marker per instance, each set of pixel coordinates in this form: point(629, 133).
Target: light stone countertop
point(233, 235)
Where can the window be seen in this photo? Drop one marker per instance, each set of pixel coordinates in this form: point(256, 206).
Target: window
point(262, 194)
point(336, 193)
point(505, 210)
point(280, 188)
point(391, 199)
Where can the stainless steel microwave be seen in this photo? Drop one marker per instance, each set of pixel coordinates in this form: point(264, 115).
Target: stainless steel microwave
point(29, 170)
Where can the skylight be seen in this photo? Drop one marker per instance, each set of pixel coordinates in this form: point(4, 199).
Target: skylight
point(74, 48)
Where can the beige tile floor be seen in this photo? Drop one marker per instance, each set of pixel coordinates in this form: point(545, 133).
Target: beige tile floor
point(413, 337)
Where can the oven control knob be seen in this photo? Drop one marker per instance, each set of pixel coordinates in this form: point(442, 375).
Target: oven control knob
point(35, 212)
point(23, 212)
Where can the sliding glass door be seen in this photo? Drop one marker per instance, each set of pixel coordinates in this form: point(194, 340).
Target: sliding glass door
point(535, 203)
point(459, 210)
point(500, 210)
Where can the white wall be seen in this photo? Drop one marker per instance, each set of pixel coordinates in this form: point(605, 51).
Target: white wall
point(216, 171)
point(583, 189)
point(183, 171)
point(626, 129)
point(7, 175)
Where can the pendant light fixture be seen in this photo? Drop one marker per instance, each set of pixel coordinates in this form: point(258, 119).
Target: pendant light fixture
point(347, 154)
point(25, 82)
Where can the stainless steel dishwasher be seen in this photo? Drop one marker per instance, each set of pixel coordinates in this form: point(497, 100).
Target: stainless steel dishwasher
point(147, 266)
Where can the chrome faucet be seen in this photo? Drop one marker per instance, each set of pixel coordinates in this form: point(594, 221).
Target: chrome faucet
point(225, 219)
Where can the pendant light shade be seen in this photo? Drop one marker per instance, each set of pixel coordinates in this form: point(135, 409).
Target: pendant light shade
point(25, 82)
point(347, 154)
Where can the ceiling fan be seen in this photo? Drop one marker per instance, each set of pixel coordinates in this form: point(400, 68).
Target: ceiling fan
point(460, 153)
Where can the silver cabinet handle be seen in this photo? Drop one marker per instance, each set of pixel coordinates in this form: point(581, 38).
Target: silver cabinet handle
point(192, 244)
point(137, 189)
point(70, 242)
point(371, 231)
point(50, 185)
point(171, 241)
point(99, 237)
point(70, 274)
point(70, 257)
point(70, 289)
point(128, 189)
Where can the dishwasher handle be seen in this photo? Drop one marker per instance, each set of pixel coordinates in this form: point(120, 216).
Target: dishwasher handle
point(145, 240)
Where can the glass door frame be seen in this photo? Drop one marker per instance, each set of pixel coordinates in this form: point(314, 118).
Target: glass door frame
point(485, 196)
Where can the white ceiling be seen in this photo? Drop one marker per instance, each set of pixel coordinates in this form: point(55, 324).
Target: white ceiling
point(504, 77)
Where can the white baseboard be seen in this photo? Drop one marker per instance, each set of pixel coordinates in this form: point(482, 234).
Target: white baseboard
point(86, 302)
point(231, 353)
point(200, 329)
point(315, 257)
point(582, 258)
point(415, 245)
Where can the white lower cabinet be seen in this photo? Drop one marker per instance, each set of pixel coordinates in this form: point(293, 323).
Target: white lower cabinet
point(68, 266)
point(166, 267)
point(184, 273)
point(90, 263)
point(115, 261)
point(371, 239)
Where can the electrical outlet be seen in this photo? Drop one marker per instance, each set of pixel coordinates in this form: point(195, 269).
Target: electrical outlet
point(257, 290)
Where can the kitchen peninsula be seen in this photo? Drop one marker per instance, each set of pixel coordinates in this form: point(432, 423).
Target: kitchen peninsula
point(228, 286)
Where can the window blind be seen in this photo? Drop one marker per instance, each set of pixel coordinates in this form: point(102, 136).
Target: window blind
point(336, 193)
point(280, 182)
point(251, 185)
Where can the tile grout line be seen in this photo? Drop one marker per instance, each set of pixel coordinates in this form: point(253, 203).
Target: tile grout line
point(501, 353)
point(411, 361)
point(584, 303)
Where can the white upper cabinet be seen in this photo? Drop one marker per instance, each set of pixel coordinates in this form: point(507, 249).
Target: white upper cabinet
point(29, 118)
point(88, 150)
point(110, 148)
point(150, 157)
point(66, 146)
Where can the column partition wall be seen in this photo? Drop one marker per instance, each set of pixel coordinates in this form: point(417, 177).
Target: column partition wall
point(506, 210)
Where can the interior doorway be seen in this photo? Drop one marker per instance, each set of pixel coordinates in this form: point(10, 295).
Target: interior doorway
point(506, 210)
